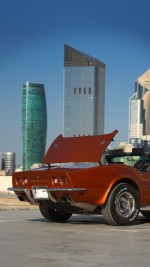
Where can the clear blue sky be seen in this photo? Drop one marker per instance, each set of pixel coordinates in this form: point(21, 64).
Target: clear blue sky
point(32, 38)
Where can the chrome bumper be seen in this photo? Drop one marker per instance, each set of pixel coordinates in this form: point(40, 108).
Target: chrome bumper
point(19, 189)
point(35, 201)
point(27, 192)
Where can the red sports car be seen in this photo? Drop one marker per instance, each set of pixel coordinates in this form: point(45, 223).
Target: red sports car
point(73, 180)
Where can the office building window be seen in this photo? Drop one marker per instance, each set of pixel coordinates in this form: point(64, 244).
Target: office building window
point(74, 91)
point(84, 91)
point(89, 90)
point(79, 90)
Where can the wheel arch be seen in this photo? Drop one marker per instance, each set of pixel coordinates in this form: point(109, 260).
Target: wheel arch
point(123, 180)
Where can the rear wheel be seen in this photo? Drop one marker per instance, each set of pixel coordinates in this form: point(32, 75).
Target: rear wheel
point(122, 205)
point(53, 214)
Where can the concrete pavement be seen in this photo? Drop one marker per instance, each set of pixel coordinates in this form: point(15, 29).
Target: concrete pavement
point(27, 239)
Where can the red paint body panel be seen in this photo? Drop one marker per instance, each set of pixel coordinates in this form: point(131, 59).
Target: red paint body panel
point(78, 149)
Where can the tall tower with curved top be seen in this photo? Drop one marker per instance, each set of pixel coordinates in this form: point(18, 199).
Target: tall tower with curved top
point(84, 94)
point(34, 124)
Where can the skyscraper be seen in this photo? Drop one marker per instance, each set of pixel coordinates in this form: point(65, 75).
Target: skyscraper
point(139, 112)
point(84, 94)
point(34, 124)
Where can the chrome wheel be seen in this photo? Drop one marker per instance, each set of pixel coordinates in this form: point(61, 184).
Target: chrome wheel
point(125, 204)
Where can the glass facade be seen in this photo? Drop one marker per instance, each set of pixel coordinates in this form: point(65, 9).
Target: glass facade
point(34, 124)
point(84, 94)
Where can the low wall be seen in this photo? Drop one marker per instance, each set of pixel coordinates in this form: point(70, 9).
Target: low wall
point(5, 182)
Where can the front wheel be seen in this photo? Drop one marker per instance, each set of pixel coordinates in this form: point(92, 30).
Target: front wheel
point(122, 205)
point(53, 214)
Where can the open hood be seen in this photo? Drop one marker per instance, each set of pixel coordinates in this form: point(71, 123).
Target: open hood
point(78, 149)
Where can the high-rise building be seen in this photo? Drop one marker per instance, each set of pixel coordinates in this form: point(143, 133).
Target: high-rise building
point(139, 112)
point(34, 124)
point(84, 94)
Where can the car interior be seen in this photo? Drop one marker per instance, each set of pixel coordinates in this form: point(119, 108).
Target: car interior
point(138, 159)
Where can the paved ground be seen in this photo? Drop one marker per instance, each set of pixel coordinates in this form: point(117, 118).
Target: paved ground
point(27, 239)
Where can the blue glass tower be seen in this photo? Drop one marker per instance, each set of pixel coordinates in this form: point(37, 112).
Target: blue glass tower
point(84, 94)
point(34, 124)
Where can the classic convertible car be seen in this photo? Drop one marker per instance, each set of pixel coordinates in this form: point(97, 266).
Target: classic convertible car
point(73, 180)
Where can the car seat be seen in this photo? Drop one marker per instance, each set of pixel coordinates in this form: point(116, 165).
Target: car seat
point(142, 165)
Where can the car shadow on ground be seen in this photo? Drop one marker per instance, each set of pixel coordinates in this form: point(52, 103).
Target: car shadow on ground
point(89, 220)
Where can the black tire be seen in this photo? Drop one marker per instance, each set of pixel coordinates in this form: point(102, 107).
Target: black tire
point(146, 214)
point(122, 205)
point(53, 215)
